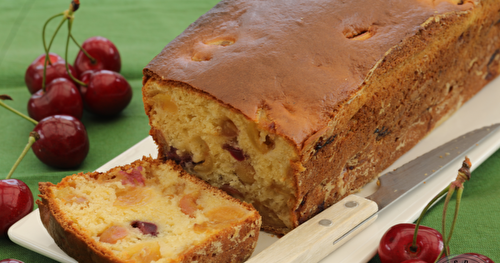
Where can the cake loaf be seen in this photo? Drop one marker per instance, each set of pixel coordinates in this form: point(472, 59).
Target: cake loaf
point(147, 211)
point(293, 105)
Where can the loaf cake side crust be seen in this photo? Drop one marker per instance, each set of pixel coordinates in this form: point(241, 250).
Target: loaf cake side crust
point(448, 61)
point(220, 239)
point(415, 86)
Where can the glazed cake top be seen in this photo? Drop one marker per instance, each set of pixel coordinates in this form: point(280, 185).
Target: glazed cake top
point(295, 61)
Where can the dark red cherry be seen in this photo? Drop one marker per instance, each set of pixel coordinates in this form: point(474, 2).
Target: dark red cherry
point(146, 228)
point(414, 261)
point(63, 141)
point(61, 97)
point(10, 260)
point(484, 258)
point(57, 69)
point(395, 245)
point(16, 201)
point(103, 51)
point(107, 93)
point(235, 152)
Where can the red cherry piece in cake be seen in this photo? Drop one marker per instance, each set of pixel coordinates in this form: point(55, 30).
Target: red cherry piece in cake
point(235, 152)
point(133, 177)
point(112, 234)
point(146, 228)
point(61, 97)
point(103, 51)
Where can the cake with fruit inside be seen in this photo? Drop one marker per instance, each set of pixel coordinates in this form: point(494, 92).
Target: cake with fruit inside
point(147, 211)
point(293, 105)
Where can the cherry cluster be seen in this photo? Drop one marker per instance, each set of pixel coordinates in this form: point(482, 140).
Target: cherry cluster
point(91, 83)
point(414, 243)
point(60, 93)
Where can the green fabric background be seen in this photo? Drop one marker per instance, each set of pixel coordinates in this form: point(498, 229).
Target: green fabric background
point(140, 29)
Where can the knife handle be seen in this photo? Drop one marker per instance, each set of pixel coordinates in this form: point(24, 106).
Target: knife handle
point(322, 234)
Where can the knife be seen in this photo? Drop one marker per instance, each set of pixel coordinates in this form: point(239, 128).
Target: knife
point(321, 235)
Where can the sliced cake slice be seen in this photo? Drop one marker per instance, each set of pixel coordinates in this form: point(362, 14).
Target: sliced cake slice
point(147, 211)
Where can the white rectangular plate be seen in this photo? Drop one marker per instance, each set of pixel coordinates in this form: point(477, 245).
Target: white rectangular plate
point(480, 111)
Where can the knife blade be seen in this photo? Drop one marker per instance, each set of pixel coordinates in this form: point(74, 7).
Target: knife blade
point(322, 234)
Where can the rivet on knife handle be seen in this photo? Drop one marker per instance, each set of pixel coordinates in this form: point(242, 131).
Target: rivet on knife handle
point(318, 237)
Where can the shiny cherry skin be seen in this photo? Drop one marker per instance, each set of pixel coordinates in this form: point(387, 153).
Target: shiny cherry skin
point(16, 201)
point(63, 142)
point(10, 260)
point(395, 245)
point(57, 69)
point(482, 257)
point(61, 96)
point(103, 50)
point(85, 78)
point(107, 93)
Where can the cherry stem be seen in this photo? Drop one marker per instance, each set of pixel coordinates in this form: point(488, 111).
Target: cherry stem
point(17, 112)
point(451, 191)
point(32, 139)
point(457, 206)
point(47, 49)
point(70, 23)
point(436, 198)
point(43, 31)
point(92, 60)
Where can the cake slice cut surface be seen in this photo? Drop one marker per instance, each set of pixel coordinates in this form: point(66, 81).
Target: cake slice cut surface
point(147, 211)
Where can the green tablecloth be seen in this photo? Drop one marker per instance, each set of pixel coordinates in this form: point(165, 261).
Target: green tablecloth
point(140, 29)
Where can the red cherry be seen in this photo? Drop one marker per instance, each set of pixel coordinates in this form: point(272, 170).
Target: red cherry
point(85, 78)
point(395, 245)
point(103, 51)
point(63, 141)
point(61, 96)
point(10, 260)
point(484, 258)
point(107, 93)
point(34, 73)
point(414, 261)
point(16, 201)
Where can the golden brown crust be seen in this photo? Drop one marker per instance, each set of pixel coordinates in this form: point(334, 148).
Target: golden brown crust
point(295, 62)
point(350, 107)
point(229, 245)
point(422, 81)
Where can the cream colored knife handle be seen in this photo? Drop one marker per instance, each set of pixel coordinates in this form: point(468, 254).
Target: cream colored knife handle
point(319, 236)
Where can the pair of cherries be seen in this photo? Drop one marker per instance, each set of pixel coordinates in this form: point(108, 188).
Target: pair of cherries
point(413, 243)
point(100, 89)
